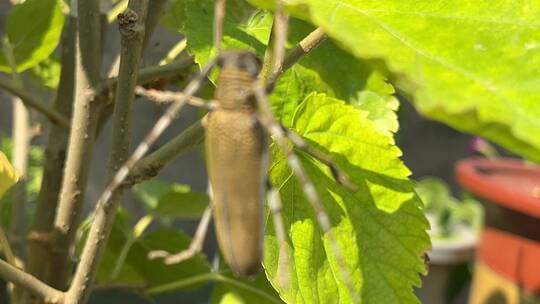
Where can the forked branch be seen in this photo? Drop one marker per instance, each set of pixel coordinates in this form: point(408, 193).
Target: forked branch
point(131, 26)
point(30, 283)
point(298, 52)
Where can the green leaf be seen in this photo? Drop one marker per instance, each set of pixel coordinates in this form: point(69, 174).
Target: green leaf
point(174, 16)
point(33, 28)
point(380, 229)
point(156, 272)
point(244, 28)
point(137, 269)
point(330, 70)
point(182, 203)
point(233, 290)
point(119, 235)
point(151, 191)
point(470, 64)
point(378, 100)
point(8, 176)
point(172, 200)
point(327, 69)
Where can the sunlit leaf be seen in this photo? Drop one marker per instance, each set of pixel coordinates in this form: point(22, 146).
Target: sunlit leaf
point(380, 229)
point(33, 29)
point(470, 64)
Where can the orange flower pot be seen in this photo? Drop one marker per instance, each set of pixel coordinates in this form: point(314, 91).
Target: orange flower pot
point(508, 254)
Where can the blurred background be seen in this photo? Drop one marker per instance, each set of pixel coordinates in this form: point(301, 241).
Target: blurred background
point(430, 150)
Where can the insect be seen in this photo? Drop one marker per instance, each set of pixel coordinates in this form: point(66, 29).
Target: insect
point(238, 128)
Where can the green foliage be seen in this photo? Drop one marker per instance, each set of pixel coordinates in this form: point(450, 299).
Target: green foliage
point(327, 69)
point(380, 229)
point(135, 268)
point(125, 260)
point(447, 213)
point(33, 29)
point(469, 64)
point(231, 290)
point(171, 200)
point(360, 141)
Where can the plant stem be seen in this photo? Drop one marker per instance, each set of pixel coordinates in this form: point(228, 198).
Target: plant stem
point(117, 9)
point(162, 71)
point(34, 102)
point(131, 23)
point(156, 8)
point(146, 75)
point(300, 50)
point(85, 110)
point(30, 283)
point(174, 52)
point(150, 166)
point(215, 277)
point(21, 147)
point(55, 156)
point(275, 52)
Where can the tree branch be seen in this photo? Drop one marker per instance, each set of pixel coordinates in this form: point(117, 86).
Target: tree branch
point(131, 25)
point(86, 107)
point(298, 52)
point(55, 156)
point(146, 75)
point(34, 102)
point(275, 51)
point(150, 166)
point(156, 8)
point(30, 283)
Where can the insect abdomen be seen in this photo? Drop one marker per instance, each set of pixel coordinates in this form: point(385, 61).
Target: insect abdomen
point(236, 148)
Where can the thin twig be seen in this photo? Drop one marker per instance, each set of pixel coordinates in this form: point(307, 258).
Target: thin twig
point(21, 149)
point(117, 9)
point(194, 247)
point(156, 8)
point(169, 96)
point(280, 36)
point(6, 248)
point(30, 283)
point(174, 52)
point(34, 102)
point(150, 166)
point(148, 74)
point(219, 16)
point(205, 277)
point(298, 52)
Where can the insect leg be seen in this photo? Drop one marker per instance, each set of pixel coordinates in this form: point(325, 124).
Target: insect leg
point(339, 175)
point(280, 36)
point(163, 122)
point(219, 16)
point(274, 128)
point(160, 96)
point(195, 246)
point(274, 202)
